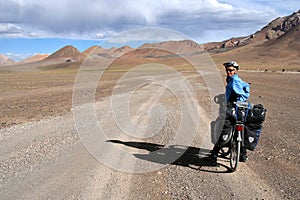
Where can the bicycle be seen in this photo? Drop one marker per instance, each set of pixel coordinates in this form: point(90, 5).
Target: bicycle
point(233, 149)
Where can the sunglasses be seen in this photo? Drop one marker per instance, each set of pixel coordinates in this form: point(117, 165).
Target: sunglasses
point(230, 70)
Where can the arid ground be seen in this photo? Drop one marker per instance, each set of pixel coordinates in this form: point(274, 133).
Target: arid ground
point(43, 157)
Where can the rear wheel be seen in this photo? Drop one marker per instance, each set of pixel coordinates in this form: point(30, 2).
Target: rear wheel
point(235, 154)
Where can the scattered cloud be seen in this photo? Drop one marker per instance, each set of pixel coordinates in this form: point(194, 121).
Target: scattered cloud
point(147, 34)
point(101, 19)
point(7, 29)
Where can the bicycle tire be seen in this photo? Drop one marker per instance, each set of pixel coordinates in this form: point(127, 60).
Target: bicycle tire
point(235, 152)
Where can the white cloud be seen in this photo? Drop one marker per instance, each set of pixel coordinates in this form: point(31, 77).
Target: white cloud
point(7, 28)
point(147, 34)
point(101, 18)
point(33, 35)
point(104, 35)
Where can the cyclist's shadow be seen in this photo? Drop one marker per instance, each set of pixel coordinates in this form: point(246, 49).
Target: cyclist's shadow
point(192, 157)
point(217, 125)
point(186, 156)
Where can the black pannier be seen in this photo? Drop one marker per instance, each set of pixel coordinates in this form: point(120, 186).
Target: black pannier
point(252, 134)
point(230, 113)
point(225, 134)
point(256, 115)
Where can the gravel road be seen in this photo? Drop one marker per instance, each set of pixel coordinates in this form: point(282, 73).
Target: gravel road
point(53, 159)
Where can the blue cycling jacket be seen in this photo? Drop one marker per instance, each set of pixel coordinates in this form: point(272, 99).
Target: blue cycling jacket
point(236, 89)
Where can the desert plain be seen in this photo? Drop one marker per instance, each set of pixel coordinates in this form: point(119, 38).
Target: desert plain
point(42, 155)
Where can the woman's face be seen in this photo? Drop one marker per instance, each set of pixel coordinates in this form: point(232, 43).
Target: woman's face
point(230, 71)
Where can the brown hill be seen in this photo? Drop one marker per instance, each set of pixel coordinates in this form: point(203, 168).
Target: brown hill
point(66, 54)
point(122, 50)
point(226, 44)
point(4, 60)
point(141, 56)
point(285, 48)
point(34, 58)
point(98, 52)
point(178, 47)
point(92, 48)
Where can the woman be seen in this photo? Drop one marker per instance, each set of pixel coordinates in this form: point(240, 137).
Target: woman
point(236, 90)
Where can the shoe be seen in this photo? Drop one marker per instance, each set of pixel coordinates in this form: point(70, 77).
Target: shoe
point(243, 158)
point(213, 157)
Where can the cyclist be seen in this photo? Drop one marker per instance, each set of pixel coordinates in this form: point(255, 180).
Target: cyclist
point(236, 90)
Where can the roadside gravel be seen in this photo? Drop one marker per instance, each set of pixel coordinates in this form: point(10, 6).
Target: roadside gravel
point(46, 159)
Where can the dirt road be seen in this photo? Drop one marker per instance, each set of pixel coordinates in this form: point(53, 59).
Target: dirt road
point(54, 159)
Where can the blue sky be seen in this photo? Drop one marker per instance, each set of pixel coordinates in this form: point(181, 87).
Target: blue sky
point(28, 27)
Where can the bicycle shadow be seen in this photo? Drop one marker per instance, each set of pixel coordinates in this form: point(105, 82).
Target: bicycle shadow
point(217, 125)
point(186, 156)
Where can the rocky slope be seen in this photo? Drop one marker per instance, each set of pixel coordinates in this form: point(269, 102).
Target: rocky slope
point(271, 31)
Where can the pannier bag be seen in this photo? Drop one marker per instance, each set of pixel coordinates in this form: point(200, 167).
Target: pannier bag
point(256, 116)
point(225, 134)
point(230, 113)
point(252, 134)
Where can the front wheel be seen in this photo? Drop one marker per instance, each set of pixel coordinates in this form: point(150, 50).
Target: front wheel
point(235, 154)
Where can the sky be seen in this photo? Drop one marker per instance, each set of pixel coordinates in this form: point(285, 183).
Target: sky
point(28, 27)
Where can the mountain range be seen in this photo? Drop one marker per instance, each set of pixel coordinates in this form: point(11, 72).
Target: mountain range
point(275, 46)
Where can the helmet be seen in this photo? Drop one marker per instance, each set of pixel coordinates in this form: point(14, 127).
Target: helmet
point(231, 64)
